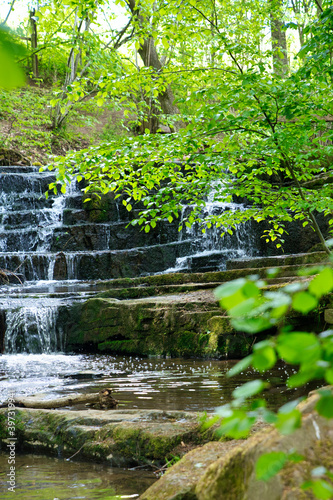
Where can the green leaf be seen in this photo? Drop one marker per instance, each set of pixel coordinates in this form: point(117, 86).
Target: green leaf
point(287, 423)
point(11, 75)
point(304, 302)
point(238, 425)
point(320, 488)
point(323, 283)
point(251, 325)
point(298, 347)
point(264, 358)
point(324, 405)
point(240, 366)
point(165, 43)
point(243, 307)
point(269, 464)
point(230, 288)
point(249, 389)
point(329, 376)
point(300, 378)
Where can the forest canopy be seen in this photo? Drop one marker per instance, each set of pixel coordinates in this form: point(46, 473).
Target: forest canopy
point(231, 99)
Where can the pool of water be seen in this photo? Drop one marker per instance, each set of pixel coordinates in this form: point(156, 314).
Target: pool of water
point(170, 384)
point(45, 478)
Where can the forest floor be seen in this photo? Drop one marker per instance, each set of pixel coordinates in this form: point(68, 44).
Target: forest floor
point(26, 134)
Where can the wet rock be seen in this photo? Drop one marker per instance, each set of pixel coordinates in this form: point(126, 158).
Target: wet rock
point(278, 261)
point(179, 481)
point(87, 374)
point(118, 437)
point(60, 267)
point(226, 470)
point(173, 325)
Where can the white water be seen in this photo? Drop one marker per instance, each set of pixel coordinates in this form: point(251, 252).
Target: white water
point(210, 244)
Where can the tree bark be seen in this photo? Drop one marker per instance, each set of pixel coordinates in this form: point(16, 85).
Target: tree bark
point(279, 40)
point(150, 58)
point(34, 57)
point(73, 62)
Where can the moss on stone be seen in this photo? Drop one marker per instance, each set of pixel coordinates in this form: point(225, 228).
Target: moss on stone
point(119, 346)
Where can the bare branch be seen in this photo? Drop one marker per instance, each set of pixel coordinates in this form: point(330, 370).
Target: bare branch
point(10, 10)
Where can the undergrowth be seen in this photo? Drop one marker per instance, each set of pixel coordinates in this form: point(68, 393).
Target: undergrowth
point(26, 134)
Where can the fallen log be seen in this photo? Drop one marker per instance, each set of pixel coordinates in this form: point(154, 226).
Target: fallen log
point(99, 400)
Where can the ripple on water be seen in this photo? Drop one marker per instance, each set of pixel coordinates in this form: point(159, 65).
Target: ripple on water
point(41, 478)
point(173, 384)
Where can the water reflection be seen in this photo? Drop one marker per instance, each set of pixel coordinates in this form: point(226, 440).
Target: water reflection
point(173, 384)
point(41, 478)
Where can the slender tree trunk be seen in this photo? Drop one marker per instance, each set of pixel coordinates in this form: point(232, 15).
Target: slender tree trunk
point(74, 59)
point(150, 58)
point(34, 58)
point(279, 40)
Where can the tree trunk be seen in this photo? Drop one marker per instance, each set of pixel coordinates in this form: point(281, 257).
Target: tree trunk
point(73, 62)
point(34, 58)
point(279, 40)
point(150, 58)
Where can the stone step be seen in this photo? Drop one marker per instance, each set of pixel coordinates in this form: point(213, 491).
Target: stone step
point(21, 182)
point(18, 169)
point(11, 202)
point(120, 438)
point(210, 279)
point(93, 265)
point(116, 236)
point(28, 218)
point(278, 260)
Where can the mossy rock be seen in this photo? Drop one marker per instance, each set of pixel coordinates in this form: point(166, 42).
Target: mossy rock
point(119, 437)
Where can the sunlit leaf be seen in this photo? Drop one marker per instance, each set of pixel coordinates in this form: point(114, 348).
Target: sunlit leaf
point(269, 464)
point(249, 389)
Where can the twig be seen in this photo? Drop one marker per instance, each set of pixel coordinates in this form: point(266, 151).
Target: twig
point(78, 451)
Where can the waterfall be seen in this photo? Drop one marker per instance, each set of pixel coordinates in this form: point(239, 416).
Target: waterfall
point(59, 248)
point(210, 251)
point(32, 329)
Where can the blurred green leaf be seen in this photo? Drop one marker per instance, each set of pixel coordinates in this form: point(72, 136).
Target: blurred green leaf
point(249, 389)
point(287, 423)
point(304, 302)
point(269, 464)
point(11, 74)
point(298, 347)
point(323, 283)
point(240, 366)
point(320, 488)
point(324, 404)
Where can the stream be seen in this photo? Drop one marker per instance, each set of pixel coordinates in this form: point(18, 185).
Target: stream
point(46, 478)
point(58, 252)
point(173, 384)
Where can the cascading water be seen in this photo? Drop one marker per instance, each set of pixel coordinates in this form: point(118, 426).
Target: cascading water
point(210, 251)
point(32, 329)
point(62, 250)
